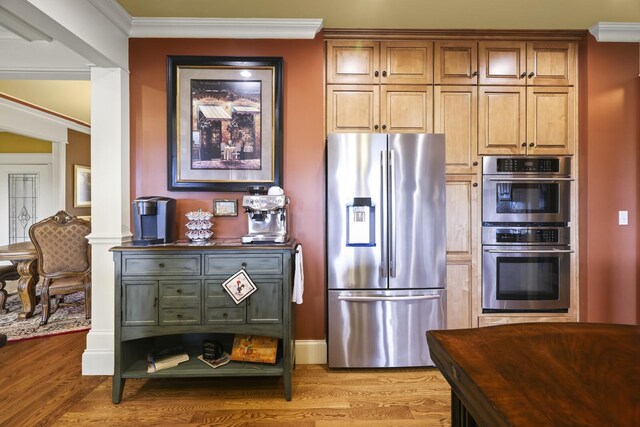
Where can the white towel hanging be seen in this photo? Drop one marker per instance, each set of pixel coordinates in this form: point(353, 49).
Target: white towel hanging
point(298, 277)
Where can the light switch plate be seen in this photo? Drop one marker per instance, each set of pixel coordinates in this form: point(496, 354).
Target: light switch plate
point(623, 217)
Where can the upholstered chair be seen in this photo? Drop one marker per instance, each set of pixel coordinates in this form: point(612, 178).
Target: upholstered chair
point(64, 260)
point(8, 272)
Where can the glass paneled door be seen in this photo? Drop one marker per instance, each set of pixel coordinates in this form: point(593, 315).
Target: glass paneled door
point(26, 198)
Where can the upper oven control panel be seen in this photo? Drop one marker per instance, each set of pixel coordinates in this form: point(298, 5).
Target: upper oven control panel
point(550, 165)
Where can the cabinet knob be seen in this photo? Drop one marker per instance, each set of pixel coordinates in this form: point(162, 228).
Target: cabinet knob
point(475, 184)
point(384, 73)
point(384, 127)
point(524, 144)
point(475, 73)
point(375, 127)
point(179, 291)
point(531, 74)
point(161, 265)
point(475, 163)
point(225, 315)
point(179, 316)
point(523, 75)
point(531, 144)
point(244, 265)
point(376, 74)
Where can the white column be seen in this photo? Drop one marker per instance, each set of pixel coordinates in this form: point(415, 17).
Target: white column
point(109, 207)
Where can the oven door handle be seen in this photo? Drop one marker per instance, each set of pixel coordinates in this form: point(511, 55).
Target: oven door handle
point(530, 251)
point(532, 179)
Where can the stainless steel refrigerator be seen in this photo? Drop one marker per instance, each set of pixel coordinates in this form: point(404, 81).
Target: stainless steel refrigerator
point(386, 249)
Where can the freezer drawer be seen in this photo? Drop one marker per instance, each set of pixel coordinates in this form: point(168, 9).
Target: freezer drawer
point(381, 329)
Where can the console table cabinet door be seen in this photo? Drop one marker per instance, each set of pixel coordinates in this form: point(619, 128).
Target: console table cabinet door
point(265, 304)
point(139, 303)
point(456, 62)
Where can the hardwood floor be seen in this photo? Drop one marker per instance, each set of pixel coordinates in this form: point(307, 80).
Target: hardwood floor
point(41, 384)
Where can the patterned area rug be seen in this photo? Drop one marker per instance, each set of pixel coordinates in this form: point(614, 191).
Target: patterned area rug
point(65, 320)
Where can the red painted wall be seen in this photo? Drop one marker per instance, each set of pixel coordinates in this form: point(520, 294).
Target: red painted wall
point(303, 147)
point(610, 174)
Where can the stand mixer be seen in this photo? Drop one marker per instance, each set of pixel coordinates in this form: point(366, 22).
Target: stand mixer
point(266, 215)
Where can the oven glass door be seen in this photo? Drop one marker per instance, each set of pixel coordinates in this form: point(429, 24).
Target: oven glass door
point(525, 278)
point(522, 200)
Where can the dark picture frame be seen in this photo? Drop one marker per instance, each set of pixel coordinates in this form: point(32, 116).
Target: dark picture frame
point(224, 122)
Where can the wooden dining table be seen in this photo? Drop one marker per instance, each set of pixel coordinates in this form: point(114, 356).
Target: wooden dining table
point(541, 374)
point(24, 256)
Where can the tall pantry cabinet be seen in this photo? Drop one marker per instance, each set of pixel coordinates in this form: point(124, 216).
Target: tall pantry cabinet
point(493, 93)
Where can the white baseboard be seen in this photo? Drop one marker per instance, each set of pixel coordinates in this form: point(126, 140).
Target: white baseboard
point(311, 352)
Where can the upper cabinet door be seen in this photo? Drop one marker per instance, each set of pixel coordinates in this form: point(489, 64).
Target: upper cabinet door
point(406, 108)
point(456, 115)
point(550, 120)
point(406, 62)
point(456, 62)
point(353, 61)
point(353, 108)
point(551, 63)
point(502, 63)
point(502, 120)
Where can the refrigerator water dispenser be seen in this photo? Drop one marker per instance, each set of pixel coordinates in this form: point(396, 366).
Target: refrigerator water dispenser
point(361, 216)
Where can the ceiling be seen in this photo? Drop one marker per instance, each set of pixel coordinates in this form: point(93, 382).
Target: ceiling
point(71, 96)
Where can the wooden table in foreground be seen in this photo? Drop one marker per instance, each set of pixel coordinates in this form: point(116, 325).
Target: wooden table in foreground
point(24, 255)
point(542, 374)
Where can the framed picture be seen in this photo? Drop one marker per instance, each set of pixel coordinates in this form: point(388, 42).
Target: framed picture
point(225, 207)
point(81, 186)
point(224, 122)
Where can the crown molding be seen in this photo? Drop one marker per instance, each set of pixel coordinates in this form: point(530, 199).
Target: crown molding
point(616, 31)
point(115, 13)
point(238, 28)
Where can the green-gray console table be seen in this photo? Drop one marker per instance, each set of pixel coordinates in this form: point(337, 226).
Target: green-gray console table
point(172, 294)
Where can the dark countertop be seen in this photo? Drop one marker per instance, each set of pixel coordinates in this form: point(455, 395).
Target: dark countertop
point(543, 374)
point(213, 244)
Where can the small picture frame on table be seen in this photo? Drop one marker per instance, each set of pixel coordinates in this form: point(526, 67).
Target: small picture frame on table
point(225, 207)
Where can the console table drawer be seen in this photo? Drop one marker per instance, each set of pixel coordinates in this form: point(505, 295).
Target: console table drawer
point(254, 264)
point(183, 293)
point(217, 296)
point(161, 264)
point(180, 316)
point(227, 315)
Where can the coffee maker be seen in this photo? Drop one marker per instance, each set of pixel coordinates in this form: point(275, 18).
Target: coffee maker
point(266, 215)
point(154, 220)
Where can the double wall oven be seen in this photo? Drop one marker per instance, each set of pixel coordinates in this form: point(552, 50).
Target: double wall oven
point(525, 234)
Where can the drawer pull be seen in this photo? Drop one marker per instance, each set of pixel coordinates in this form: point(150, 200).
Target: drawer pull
point(179, 291)
point(179, 316)
point(244, 265)
point(161, 265)
point(155, 302)
point(225, 315)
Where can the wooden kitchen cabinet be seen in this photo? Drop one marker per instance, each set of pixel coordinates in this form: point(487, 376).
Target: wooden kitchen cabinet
point(373, 108)
point(514, 120)
point(456, 115)
point(462, 192)
point(548, 63)
point(456, 62)
point(382, 62)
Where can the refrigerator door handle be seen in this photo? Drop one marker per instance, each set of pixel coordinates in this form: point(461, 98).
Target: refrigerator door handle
point(383, 231)
point(383, 298)
point(392, 215)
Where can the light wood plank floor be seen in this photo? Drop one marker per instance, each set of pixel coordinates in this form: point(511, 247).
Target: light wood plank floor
point(41, 384)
